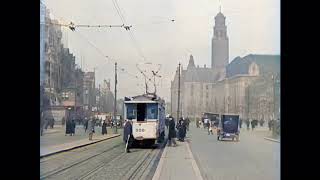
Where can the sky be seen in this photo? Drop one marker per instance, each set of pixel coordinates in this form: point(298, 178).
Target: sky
point(253, 27)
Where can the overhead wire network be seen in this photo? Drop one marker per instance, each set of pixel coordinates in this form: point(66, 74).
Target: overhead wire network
point(71, 25)
point(131, 35)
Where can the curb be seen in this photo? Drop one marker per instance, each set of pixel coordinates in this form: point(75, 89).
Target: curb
point(156, 175)
point(79, 146)
point(270, 139)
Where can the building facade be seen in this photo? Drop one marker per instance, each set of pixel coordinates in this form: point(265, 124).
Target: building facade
point(248, 86)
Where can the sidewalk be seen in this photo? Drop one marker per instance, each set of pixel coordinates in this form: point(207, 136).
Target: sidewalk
point(46, 151)
point(177, 163)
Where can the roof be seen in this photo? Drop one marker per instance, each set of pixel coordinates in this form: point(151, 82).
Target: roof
point(266, 63)
point(199, 75)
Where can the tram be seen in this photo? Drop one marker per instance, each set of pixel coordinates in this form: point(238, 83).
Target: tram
point(147, 113)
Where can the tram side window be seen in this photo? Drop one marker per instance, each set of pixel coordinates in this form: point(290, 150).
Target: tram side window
point(141, 111)
point(131, 111)
point(152, 111)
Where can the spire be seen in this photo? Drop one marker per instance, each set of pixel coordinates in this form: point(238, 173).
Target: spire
point(191, 62)
point(220, 6)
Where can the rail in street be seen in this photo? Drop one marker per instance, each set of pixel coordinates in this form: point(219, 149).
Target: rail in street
point(104, 160)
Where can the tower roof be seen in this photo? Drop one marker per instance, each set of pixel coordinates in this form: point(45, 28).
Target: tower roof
point(191, 63)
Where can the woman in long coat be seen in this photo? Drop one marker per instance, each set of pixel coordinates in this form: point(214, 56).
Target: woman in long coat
point(104, 127)
point(172, 131)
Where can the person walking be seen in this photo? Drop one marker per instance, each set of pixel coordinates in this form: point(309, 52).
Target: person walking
point(85, 124)
point(127, 135)
point(252, 125)
point(68, 127)
point(91, 128)
point(41, 124)
point(187, 123)
point(248, 124)
point(73, 127)
point(172, 132)
point(210, 128)
point(240, 123)
point(197, 124)
point(104, 128)
point(182, 129)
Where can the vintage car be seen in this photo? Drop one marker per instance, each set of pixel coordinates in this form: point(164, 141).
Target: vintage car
point(228, 127)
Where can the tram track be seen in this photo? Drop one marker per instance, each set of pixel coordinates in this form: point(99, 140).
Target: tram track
point(60, 170)
point(111, 163)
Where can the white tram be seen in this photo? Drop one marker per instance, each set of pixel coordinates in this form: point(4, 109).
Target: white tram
point(147, 113)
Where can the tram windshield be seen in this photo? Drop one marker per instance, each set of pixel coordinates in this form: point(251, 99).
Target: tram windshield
point(131, 111)
point(152, 111)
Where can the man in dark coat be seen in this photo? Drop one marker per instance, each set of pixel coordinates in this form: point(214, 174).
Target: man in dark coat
point(104, 128)
point(127, 133)
point(181, 126)
point(240, 123)
point(253, 124)
point(248, 124)
point(172, 132)
point(68, 127)
point(73, 127)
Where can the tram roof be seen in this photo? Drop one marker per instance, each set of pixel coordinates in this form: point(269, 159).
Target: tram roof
point(143, 99)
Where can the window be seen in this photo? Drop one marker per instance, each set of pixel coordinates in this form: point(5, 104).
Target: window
point(131, 111)
point(152, 111)
point(207, 87)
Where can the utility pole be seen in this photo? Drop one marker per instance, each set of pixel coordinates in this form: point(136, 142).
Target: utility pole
point(178, 110)
point(99, 106)
point(75, 94)
point(115, 97)
point(248, 101)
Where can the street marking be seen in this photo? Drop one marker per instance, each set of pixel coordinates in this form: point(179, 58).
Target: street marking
point(194, 164)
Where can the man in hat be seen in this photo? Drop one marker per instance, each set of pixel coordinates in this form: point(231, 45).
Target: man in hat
point(127, 135)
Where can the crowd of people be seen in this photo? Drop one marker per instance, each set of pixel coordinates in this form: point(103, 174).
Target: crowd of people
point(70, 123)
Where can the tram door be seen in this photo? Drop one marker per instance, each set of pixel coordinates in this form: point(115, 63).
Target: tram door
point(141, 111)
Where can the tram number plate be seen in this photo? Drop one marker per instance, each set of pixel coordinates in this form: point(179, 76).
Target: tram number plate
point(139, 130)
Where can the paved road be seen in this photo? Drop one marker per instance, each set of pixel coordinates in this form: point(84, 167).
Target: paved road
point(104, 160)
point(60, 138)
point(250, 159)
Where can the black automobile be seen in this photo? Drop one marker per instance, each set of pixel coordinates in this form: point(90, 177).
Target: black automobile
point(229, 127)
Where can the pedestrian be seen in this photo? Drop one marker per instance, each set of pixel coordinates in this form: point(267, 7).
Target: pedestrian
point(73, 127)
point(248, 124)
point(205, 123)
point(261, 122)
point(41, 124)
point(127, 135)
point(197, 124)
point(210, 127)
point(181, 127)
point(187, 123)
point(104, 128)
point(91, 128)
point(252, 124)
point(240, 123)
point(172, 132)
point(52, 123)
point(85, 124)
point(68, 127)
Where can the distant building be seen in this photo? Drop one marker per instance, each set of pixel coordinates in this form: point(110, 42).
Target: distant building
point(245, 86)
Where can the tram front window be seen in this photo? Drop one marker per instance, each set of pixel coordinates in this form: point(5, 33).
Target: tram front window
point(131, 111)
point(141, 111)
